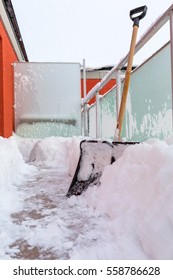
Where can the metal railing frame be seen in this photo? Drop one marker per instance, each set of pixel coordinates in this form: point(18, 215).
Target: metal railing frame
point(151, 31)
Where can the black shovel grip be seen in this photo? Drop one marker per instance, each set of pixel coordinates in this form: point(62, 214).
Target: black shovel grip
point(140, 13)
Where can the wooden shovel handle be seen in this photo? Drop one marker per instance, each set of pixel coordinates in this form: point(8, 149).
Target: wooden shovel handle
point(127, 81)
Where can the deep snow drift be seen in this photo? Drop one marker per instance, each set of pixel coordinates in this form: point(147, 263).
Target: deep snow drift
point(129, 216)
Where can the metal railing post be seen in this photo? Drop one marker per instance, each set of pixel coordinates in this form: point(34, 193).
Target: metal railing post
point(97, 115)
point(171, 51)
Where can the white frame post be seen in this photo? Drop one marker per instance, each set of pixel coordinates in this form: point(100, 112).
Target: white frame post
point(118, 91)
point(85, 105)
point(97, 115)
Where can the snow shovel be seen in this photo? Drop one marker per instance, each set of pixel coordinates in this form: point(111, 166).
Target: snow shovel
point(95, 155)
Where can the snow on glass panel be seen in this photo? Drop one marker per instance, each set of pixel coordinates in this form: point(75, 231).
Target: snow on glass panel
point(47, 99)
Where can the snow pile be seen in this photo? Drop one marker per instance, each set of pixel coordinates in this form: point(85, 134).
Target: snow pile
point(12, 171)
point(12, 167)
point(51, 151)
point(56, 152)
point(136, 192)
point(25, 145)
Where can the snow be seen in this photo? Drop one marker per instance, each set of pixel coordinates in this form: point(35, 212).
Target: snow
point(99, 155)
point(129, 216)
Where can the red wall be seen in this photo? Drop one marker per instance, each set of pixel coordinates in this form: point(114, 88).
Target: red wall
point(90, 83)
point(7, 57)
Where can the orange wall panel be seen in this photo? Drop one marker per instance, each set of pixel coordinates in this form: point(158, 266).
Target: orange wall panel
point(1, 91)
point(90, 83)
point(8, 56)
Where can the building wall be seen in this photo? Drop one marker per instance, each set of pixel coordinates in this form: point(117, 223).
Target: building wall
point(7, 57)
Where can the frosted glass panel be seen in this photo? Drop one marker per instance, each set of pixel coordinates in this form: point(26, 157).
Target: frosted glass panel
point(149, 106)
point(108, 115)
point(47, 99)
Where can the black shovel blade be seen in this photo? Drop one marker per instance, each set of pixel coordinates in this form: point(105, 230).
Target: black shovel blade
point(94, 156)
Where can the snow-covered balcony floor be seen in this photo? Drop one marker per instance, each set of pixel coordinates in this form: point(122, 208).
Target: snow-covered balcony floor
point(50, 225)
